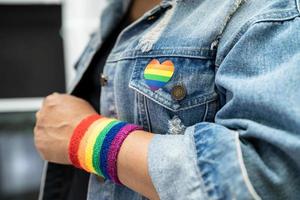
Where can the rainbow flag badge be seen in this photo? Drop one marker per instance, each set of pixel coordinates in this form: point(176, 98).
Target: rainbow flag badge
point(158, 75)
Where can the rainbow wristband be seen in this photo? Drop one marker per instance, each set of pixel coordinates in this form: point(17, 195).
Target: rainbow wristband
point(106, 146)
point(95, 145)
point(77, 136)
point(115, 148)
point(97, 130)
point(98, 145)
point(83, 147)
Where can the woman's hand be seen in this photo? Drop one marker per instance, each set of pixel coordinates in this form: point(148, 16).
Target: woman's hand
point(57, 119)
point(55, 122)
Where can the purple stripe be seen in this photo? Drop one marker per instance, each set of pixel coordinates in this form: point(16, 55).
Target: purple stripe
point(115, 148)
point(153, 88)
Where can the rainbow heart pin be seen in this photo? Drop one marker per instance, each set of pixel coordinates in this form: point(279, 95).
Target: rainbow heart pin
point(158, 75)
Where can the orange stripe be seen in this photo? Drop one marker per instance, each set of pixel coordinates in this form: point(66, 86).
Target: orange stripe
point(83, 144)
point(154, 61)
point(161, 67)
point(168, 63)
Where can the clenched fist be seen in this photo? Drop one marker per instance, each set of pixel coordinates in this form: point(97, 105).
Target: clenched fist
point(55, 122)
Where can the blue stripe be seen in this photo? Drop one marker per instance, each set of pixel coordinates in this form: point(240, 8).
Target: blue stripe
point(110, 136)
point(153, 83)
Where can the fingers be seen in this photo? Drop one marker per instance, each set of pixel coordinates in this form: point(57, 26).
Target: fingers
point(38, 118)
point(49, 102)
point(37, 114)
point(50, 98)
point(35, 133)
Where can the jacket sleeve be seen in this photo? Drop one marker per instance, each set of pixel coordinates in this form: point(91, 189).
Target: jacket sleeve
point(252, 150)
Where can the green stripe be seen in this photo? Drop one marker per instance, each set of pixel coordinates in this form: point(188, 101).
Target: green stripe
point(98, 146)
point(157, 77)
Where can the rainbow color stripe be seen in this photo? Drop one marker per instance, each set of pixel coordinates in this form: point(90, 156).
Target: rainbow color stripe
point(158, 75)
point(95, 145)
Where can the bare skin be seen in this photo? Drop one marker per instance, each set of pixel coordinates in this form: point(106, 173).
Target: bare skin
point(60, 114)
point(55, 123)
point(139, 7)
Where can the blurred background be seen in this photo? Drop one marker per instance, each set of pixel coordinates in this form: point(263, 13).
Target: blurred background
point(40, 40)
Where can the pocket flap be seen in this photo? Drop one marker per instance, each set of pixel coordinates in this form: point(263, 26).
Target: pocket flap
point(161, 78)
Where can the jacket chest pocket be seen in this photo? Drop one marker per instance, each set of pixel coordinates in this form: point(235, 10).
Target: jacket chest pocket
point(174, 86)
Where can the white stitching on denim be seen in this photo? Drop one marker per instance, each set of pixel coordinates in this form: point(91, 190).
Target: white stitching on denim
point(243, 168)
point(206, 111)
point(204, 101)
point(150, 38)
point(280, 16)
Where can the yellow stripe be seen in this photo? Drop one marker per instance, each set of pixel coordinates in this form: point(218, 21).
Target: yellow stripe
point(83, 144)
point(159, 72)
point(93, 134)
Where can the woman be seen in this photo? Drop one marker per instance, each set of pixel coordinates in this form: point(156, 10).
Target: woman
point(214, 89)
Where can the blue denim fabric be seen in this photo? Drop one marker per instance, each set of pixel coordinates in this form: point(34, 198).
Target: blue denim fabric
point(235, 135)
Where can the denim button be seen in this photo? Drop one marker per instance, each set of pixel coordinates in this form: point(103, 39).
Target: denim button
point(178, 92)
point(103, 80)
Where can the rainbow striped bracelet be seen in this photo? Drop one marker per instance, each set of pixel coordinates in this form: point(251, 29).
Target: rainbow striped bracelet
point(95, 144)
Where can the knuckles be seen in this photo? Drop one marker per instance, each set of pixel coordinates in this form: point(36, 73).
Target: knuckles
point(49, 104)
point(55, 98)
point(44, 117)
point(51, 100)
point(39, 116)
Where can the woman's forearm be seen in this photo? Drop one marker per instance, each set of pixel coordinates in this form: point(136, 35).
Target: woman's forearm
point(55, 124)
point(133, 166)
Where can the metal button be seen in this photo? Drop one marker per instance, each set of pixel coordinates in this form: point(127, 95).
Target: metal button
point(178, 92)
point(103, 80)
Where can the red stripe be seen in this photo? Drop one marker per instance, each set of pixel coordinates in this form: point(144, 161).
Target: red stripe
point(77, 136)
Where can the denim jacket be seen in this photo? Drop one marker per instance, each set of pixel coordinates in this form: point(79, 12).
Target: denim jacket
point(234, 133)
